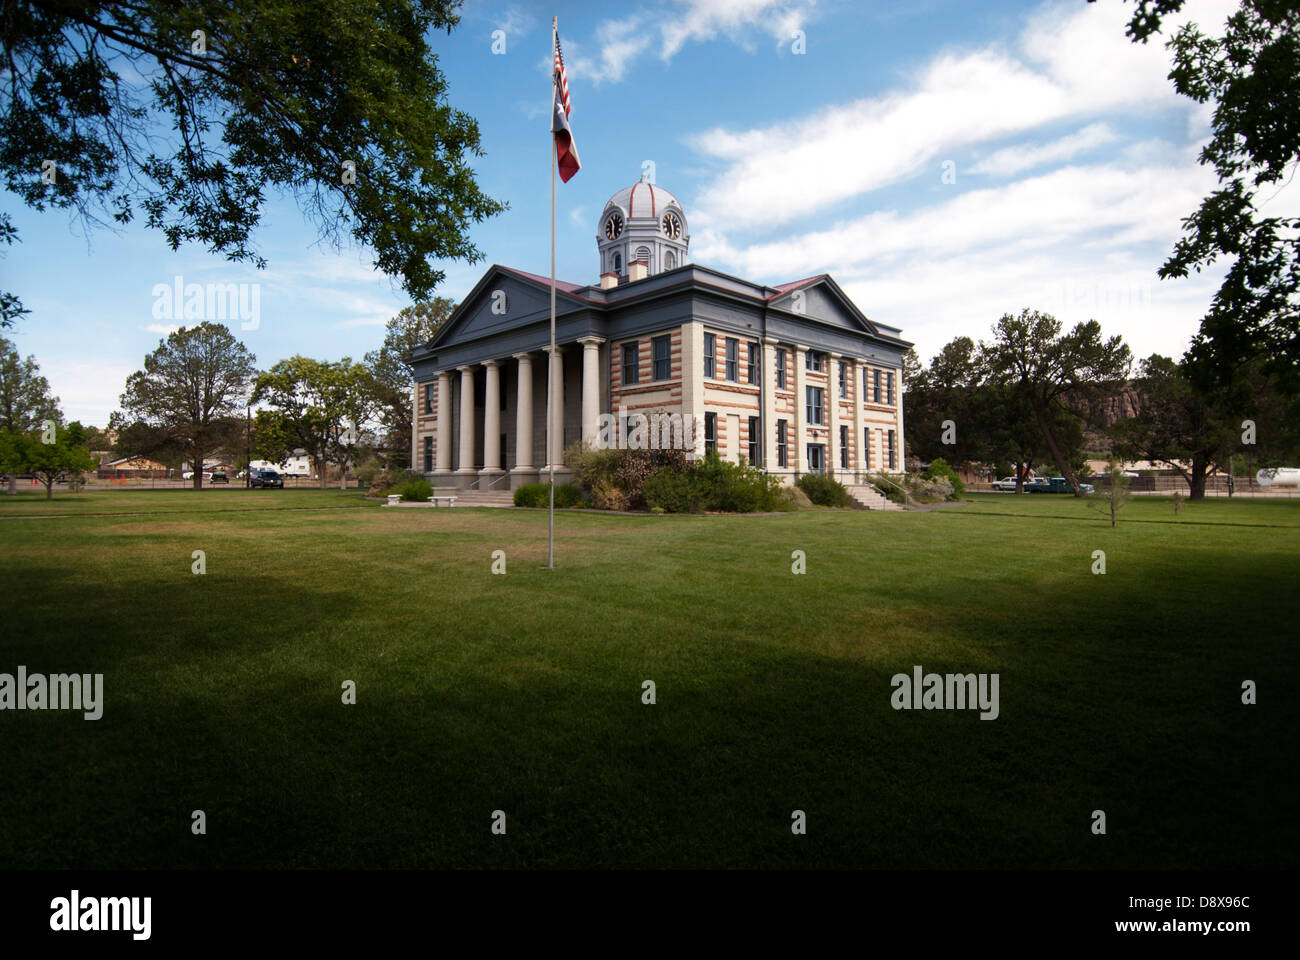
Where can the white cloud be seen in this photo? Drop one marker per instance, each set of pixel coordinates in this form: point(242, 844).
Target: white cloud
point(789, 169)
point(163, 329)
point(621, 41)
point(1012, 160)
point(701, 20)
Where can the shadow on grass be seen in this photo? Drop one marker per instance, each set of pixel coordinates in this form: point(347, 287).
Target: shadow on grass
point(1134, 709)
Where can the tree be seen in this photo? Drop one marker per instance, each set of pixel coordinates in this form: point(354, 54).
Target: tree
point(1252, 76)
point(340, 103)
point(318, 406)
point(1197, 428)
point(190, 389)
point(1030, 353)
point(25, 398)
point(47, 454)
point(1112, 497)
point(390, 371)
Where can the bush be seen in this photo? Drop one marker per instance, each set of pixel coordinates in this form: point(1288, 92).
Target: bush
point(890, 490)
point(538, 495)
point(824, 491)
point(939, 469)
point(714, 484)
point(670, 491)
point(615, 471)
point(935, 490)
point(416, 490)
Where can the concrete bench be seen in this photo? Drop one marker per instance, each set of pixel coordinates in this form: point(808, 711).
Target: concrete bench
point(393, 499)
point(451, 501)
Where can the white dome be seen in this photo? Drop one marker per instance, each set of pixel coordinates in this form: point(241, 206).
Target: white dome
point(643, 200)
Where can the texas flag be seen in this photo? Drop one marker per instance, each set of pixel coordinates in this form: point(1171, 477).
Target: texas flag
point(566, 152)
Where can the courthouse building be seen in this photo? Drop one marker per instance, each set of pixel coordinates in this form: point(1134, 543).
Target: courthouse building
point(793, 378)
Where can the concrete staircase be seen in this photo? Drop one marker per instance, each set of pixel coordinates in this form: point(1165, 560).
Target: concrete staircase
point(870, 498)
point(478, 498)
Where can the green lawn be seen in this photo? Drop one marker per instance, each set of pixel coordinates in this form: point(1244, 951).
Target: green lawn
point(523, 692)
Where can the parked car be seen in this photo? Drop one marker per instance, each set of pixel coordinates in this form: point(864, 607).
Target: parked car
point(1006, 484)
point(265, 478)
point(189, 475)
point(219, 476)
point(1057, 485)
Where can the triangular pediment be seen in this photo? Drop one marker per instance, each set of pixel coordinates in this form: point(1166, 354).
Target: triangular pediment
point(822, 299)
point(501, 301)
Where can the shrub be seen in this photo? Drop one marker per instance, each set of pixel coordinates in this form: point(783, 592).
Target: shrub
point(890, 490)
point(670, 491)
point(607, 496)
point(796, 497)
point(538, 495)
point(935, 490)
point(416, 490)
point(714, 484)
point(622, 470)
point(824, 491)
point(939, 468)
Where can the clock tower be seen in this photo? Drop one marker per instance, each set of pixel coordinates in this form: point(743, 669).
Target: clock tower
point(642, 222)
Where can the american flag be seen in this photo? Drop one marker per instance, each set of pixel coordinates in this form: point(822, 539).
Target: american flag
point(566, 151)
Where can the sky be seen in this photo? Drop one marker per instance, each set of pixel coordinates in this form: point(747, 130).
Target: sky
point(946, 162)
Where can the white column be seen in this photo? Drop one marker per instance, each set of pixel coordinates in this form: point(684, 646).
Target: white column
point(898, 398)
point(799, 457)
point(693, 383)
point(492, 417)
point(859, 440)
point(415, 426)
point(768, 380)
point(444, 422)
point(590, 388)
point(524, 414)
point(833, 389)
point(466, 420)
point(555, 392)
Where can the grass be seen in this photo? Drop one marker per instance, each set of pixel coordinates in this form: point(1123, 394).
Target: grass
point(522, 692)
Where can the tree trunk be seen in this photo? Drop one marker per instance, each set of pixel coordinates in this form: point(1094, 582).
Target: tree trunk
point(322, 466)
point(49, 489)
point(13, 485)
point(1200, 466)
point(1044, 425)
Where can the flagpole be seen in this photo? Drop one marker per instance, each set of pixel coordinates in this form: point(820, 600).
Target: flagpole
point(550, 356)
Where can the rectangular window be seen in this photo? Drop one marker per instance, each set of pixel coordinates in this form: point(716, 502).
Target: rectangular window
point(631, 362)
point(428, 454)
point(428, 398)
point(892, 452)
point(814, 361)
point(844, 447)
point(866, 449)
point(816, 458)
point(660, 349)
point(813, 413)
point(711, 432)
point(753, 363)
point(754, 435)
point(844, 379)
point(875, 386)
point(780, 370)
point(889, 387)
point(733, 359)
point(782, 456)
point(710, 355)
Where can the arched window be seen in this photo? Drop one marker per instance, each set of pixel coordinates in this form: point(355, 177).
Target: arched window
point(670, 260)
point(618, 263)
point(643, 254)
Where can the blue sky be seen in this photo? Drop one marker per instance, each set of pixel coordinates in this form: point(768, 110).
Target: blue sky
point(946, 161)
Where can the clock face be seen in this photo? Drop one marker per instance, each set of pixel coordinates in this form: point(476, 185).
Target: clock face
point(672, 226)
point(614, 226)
